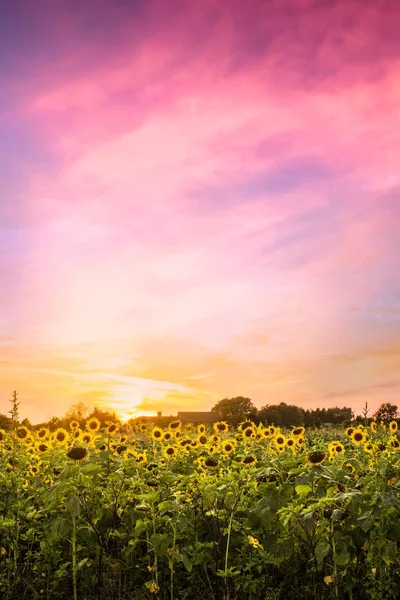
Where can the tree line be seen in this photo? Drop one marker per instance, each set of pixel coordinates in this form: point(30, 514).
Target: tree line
point(238, 409)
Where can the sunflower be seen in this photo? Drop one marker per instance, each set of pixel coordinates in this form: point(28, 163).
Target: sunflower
point(249, 461)
point(157, 433)
point(2, 435)
point(61, 436)
point(22, 433)
point(74, 424)
point(211, 463)
point(33, 470)
point(349, 431)
point(43, 433)
point(373, 426)
point(395, 444)
point(368, 447)
point(221, 427)
point(77, 453)
point(177, 434)
point(280, 440)
point(143, 427)
point(175, 425)
point(170, 452)
point(335, 448)
point(86, 438)
point(141, 457)
point(358, 437)
point(168, 436)
point(249, 433)
point(112, 428)
point(245, 425)
point(350, 468)
point(298, 431)
point(316, 458)
point(93, 424)
point(228, 446)
point(42, 447)
point(76, 433)
point(123, 439)
point(381, 446)
point(290, 443)
point(202, 439)
point(194, 443)
point(201, 429)
point(393, 426)
point(266, 433)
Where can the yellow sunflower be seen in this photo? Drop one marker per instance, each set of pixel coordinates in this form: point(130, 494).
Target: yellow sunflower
point(157, 433)
point(61, 436)
point(42, 447)
point(22, 433)
point(175, 425)
point(168, 436)
point(280, 440)
point(202, 439)
point(201, 429)
point(93, 424)
point(87, 438)
point(249, 433)
point(228, 446)
point(249, 461)
point(335, 448)
point(298, 431)
point(373, 426)
point(393, 426)
point(349, 431)
point(221, 427)
point(112, 428)
point(170, 452)
point(395, 444)
point(368, 447)
point(211, 463)
point(358, 437)
point(42, 434)
point(2, 436)
point(74, 425)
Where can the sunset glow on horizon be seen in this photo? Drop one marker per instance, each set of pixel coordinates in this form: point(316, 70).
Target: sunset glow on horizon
point(199, 200)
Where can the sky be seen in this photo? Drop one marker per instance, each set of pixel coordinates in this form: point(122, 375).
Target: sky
point(199, 199)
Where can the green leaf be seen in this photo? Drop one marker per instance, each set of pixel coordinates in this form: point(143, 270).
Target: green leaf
point(73, 506)
point(321, 551)
point(303, 489)
point(187, 562)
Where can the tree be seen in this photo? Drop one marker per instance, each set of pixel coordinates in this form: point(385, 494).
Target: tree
point(77, 411)
point(282, 414)
point(386, 412)
point(234, 410)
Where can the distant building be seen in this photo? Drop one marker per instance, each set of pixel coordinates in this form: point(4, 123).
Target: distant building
point(198, 417)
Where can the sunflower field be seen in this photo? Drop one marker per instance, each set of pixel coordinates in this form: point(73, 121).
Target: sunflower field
point(193, 512)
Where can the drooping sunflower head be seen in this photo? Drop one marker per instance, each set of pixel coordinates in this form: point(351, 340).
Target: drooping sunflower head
point(157, 433)
point(93, 424)
point(358, 437)
point(249, 461)
point(393, 426)
point(316, 458)
point(170, 451)
point(201, 429)
point(373, 426)
point(175, 425)
point(211, 463)
point(42, 434)
point(74, 424)
point(121, 449)
point(61, 436)
point(221, 427)
point(77, 453)
point(350, 468)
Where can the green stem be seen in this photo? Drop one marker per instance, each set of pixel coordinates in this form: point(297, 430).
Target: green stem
point(74, 569)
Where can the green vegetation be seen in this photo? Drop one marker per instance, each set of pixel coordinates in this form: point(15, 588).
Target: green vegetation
point(105, 510)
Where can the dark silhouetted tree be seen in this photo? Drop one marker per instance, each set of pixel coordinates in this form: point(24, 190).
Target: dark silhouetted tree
point(386, 412)
point(234, 410)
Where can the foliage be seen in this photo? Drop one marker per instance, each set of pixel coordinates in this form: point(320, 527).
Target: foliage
point(234, 410)
point(386, 412)
point(184, 513)
point(282, 414)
